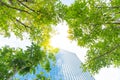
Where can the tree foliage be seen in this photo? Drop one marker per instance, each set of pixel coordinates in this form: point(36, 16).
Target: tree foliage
point(95, 24)
point(34, 17)
point(21, 61)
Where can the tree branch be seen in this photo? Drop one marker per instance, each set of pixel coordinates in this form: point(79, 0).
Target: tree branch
point(112, 7)
point(15, 24)
point(13, 20)
point(117, 13)
point(108, 52)
point(2, 3)
point(22, 24)
point(26, 6)
point(112, 23)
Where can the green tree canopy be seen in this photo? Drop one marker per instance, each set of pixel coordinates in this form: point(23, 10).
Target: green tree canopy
point(34, 17)
point(21, 61)
point(95, 24)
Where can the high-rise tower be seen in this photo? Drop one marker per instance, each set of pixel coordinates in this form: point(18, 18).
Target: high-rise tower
point(67, 68)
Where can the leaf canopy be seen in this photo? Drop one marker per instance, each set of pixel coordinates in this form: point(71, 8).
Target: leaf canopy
point(95, 24)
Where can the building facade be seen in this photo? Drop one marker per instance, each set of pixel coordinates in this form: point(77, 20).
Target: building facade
point(67, 68)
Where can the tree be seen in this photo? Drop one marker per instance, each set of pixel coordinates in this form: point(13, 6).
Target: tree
point(95, 24)
point(34, 17)
point(21, 61)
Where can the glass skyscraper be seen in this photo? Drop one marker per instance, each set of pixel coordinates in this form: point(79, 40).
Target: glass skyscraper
point(67, 68)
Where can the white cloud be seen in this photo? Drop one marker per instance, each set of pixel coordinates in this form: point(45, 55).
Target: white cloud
point(108, 74)
point(15, 42)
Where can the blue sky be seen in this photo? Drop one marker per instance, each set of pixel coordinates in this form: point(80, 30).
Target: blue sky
point(67, 2)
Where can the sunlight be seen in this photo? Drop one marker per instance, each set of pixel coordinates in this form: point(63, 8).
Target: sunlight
point(61, 41)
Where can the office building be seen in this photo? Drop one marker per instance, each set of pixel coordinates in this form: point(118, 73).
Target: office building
point(67, 68)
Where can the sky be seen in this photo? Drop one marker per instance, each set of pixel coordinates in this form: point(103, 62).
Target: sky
point(60, 40)
point(13, 41)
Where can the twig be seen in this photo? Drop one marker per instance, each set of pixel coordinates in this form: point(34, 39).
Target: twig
point(13, 7)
